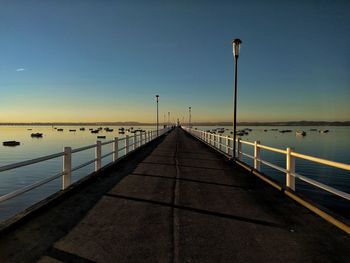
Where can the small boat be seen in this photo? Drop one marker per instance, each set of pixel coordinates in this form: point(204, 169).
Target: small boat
point(72, 130)
point(36, 135)
point(265, 130)
point(283, 131)
point(29, 129)
point(324, 131)
point(59, 129)
point(95, 131)
point(91, 129)
point(101, 137)
point(121, 129)
point(82, 129)
point(313, 129)
point(108, 130)
point(121, 132)
point(11, 143)
point(300, 133)
point(221, 130)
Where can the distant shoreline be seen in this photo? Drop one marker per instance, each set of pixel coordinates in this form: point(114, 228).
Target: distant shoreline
point(288, 123)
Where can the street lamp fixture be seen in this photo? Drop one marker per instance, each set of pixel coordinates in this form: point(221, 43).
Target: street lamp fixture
point(236, 46)
point(189, 118)
point(236, 43)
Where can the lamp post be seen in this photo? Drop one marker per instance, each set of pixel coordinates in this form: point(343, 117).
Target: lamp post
point(157, 98)
point(189, 117)
point(235, 48)
point(169, 118)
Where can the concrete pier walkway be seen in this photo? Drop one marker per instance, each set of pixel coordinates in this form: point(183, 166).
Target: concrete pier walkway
point(185, 203)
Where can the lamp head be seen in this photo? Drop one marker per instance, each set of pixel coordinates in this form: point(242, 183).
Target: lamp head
point(235, 47)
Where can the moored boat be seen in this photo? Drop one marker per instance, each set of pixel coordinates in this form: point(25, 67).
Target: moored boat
point(300, 133)
point(324, 131)
point(36, 135)
point(11, 143)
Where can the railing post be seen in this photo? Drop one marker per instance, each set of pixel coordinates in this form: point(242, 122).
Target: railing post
point(256, 155)
point(67, 167)
point(115, 149)
point(135, 142)
point(126, 144)
point(219, 143)
point(227, 145)
point(239, 149)
point(290, 167)
point(98, 154)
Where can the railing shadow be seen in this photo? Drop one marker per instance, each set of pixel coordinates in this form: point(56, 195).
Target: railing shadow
point(192, 181)
point(188, 166)
point(198, 211)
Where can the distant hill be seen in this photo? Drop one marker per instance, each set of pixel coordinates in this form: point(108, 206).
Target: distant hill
point(134, 123)
point(286, 123)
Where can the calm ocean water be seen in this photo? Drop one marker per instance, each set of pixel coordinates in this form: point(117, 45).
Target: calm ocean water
point(334, 145)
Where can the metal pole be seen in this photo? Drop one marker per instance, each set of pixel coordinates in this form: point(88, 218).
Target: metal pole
point(157, 96)
point(189, 119)
point(168, 118)
point(235, 110)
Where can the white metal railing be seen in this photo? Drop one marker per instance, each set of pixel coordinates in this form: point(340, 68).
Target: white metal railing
point(137, 141)
point(224, 145)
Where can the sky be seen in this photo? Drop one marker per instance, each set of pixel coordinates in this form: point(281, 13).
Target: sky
point(106, 60)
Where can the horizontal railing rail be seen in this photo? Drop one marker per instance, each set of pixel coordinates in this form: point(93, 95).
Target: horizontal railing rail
point(219, 141)
point(137, 141)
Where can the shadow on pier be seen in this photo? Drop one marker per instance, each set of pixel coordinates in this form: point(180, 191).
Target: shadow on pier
point(176, 200)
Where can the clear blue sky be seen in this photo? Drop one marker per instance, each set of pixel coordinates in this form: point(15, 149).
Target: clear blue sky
point(105, 60)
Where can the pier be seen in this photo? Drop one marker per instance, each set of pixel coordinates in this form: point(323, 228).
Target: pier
point(174, 199)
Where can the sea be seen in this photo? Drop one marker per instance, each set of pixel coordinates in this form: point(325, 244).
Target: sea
point(334, 145)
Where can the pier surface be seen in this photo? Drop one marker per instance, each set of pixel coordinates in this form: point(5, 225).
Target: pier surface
point(179, 202)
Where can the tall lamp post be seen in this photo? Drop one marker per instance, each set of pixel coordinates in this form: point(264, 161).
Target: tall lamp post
point(189, 117)
point(235, 48)
point(157, 98)
point(169, 118)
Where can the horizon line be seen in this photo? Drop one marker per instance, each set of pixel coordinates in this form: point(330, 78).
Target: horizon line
point(200, 123)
